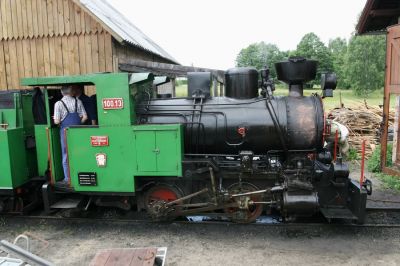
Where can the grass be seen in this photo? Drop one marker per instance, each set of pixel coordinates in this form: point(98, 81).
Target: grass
point(392, 182)
point(349, 99)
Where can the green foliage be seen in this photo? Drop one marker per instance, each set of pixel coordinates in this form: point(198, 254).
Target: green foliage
point(353, 155)
point(365, 64)
point(311, 47)
point(389, 181)
point(338, 49)
point(374, 162)
point(259, 55)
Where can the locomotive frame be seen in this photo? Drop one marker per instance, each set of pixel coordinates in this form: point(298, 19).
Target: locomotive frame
point(128, 161)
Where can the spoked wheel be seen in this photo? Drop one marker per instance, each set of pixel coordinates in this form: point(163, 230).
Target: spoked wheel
point(252, 212)
point(157, 197)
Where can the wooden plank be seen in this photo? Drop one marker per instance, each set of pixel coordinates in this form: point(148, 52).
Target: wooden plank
point(125, 257)
point(40, 57)
point(60, 13)
point(77, 14)
point(20, 58)
point(3, 77)
point(46, 57)
point(14, 18)
point(113, 259)
point(88, 23)
point(66, 56)
point(19, 18)
point(35, 71)
point(59, 56)
point(1, 26)
point(34, 11)
point(88, 54)
point(12, 50)
point(52, 53)
point(83, 20)
point(144, 257)
point(7, 64)
point(45, 24)
point(95, 53)
point(55, 17)
point(24, 18)
point(72, 17)
point(40, 15)
point(67, 21)
point(102, 55)
point(82, 57)
point(75, 53)
point(26, 46)
point(29, 18)
point(9, 19)
point(50, 19)
point(4, 19)
point(100, 258)
point(108, 53)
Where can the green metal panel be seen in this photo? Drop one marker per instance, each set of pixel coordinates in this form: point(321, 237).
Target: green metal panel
point(163, 142)
point(5, 165)
point(13, 161)
point(41, 148)
point(118, 173)
point(168, 158)
point(146, 151)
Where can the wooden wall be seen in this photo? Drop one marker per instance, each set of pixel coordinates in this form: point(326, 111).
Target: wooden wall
point(49, 37)
point(55, 37)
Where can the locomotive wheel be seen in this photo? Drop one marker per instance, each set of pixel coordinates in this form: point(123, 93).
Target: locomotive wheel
point(245, 215)
point(158, 195)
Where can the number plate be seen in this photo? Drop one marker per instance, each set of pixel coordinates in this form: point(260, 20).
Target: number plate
point(87, 179)
point(113, 103)
point(99, 141)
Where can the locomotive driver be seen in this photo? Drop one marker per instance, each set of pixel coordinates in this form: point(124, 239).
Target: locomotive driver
point(69, 111)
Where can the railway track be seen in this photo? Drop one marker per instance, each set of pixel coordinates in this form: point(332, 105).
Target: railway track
point(265, 221)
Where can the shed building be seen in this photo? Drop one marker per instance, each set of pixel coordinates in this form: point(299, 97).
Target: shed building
point(67, 37)
point(383, 17)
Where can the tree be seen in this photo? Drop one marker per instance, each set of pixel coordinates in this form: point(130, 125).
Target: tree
point(365, 63)
point(338, 50)
point(311, 47)
point(259, 55)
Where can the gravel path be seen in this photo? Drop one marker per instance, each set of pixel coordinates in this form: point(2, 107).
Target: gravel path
point(199, 244)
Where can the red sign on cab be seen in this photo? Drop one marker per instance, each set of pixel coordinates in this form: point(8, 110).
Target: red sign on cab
point(113, 103)
point(99, 141)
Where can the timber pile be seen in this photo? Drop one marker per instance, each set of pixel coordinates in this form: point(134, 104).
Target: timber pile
point(363, 122)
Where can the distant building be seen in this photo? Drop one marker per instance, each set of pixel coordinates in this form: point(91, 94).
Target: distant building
point(66, 37)
point(383, 17)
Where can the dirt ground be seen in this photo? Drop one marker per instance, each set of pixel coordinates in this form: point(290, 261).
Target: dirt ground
point(73, 243)
point(200, 244)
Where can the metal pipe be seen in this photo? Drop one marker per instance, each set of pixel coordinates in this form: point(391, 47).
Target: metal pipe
point(362, 163)
point(187, 197)
point(213, 183)
point(31, 258)
point(251, 193)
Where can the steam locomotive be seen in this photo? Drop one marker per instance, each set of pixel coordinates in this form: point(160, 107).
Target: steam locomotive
point(236, 155)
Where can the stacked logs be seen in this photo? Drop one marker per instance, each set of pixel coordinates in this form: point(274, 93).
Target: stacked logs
point(364, 123)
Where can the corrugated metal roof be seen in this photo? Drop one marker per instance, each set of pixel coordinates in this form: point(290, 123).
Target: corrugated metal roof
point(122, 27)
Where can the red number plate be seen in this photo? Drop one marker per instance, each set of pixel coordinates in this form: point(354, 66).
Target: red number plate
point(113, 103)
point(99, 141)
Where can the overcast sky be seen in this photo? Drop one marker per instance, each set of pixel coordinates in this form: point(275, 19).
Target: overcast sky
point(210, 33)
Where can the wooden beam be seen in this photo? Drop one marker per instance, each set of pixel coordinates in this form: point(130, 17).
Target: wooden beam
point(385, 12)
point(171, 70)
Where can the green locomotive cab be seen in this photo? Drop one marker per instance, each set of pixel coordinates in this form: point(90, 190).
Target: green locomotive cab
point(105, 159)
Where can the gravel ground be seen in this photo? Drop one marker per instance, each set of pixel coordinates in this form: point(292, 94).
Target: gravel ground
point(205, 244)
